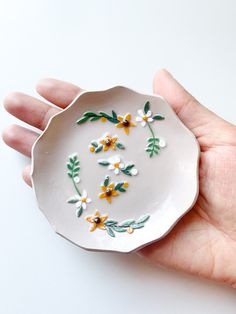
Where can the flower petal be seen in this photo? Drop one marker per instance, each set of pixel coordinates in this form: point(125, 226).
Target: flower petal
point(103, 218)
point(116, 171)
point(126, 130)
point(143, 123)
point(120, 118)
point(89, 218)
point(88, 200)
point(119, 125)
point(134, 171)
point(78, 204)
point(140, 113)
point(162, 143)
point(150, 119)
point(84, 194)
point(122, 165)
point(139, 119)
point(84, 205)
point(111, 167)
point(93, 227)
point(97, 213)
point(102, 195)
point(149, 113)
point(76, 179)
point(127, 117)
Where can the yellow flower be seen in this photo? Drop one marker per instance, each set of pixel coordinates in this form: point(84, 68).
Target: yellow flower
point(91, 148)
point(97, 221)
point(125, 122)
point(126, 184)
point(130, 230)
point(103, 119)
point(108, 142)
point(108, 192)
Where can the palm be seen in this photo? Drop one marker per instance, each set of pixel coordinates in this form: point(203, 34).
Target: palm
point(204, 241)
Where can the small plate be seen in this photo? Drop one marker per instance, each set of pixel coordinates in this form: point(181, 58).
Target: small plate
point(115, 170)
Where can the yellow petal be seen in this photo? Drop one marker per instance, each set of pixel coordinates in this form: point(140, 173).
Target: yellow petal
point(103, 218)
point(101, 226)
point(126, 129)
point(113, 146)
point(89, 218)
point(111, 185)
point(114, 139)
point(119, 125)
point(132, 123)
point(108, 198)
point(126, 184)
point(93, 227)
point(120, 118)
point(127, 117)
point(105, 148)
point(103, 188)
point(102, 142)
point(114, 193)
point(97, 213)
point(102, 195)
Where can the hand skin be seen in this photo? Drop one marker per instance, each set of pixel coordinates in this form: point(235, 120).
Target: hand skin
point(203, 243)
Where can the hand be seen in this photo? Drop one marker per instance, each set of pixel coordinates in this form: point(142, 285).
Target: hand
point(203, 243)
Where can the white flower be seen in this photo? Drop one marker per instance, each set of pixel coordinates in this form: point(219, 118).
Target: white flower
point(76, 179)
point(116, 165)
point(144, 118)
point(162, 143)
point(83, 200)
point(134, 171)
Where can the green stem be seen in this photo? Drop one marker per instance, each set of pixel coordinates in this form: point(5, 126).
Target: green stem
point(77, 190)
point(151, 130)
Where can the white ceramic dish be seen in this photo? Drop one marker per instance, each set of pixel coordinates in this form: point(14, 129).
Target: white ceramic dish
point(162, 180)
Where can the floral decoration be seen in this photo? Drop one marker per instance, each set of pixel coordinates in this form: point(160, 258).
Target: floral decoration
point(112, 226)
point(116, 165)
point(81, 200)
point(105, 143)
point(111, 189)
point(124, 122)
point(145, 117)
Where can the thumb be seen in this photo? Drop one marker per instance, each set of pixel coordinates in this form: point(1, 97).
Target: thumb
point(206, 125)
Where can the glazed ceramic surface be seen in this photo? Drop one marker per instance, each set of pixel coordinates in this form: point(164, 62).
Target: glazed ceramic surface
point(115, 170)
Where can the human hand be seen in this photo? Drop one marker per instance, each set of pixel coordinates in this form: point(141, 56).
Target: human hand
point(203, 242)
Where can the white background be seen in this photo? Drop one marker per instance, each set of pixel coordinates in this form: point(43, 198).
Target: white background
point(97, 44)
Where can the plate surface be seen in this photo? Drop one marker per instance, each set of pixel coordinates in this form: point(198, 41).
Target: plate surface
point(136, 160)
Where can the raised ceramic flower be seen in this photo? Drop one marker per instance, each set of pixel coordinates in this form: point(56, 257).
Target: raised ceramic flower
point(125, 122)
point(110, 189)
point(108, 142)
point(143, 118)
point(83, 200)
point(116, 165)
point(97, 221)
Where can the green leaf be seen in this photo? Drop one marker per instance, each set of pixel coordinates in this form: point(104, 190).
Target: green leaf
point(158, 117)
point(149, 150)
point(143, 218)
point(69, 174)
point(118, 229)
point(146, 107)
point(120, 145)
point(98, 149)
point(110, 232)
point(94, 143)
point(126, 223)
point(103, 162)
point(118, 186)
point(69, 166)
point(106, 181)
point(129, 167)
point(114, 114)
point(73, 199)
point(110, 222)
point(122, 190)
point(79, 212)
point(137, 226)
point(89, 114)
point(82, 120)
point(76, 169)
point(94, 118)
point(153, 139)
